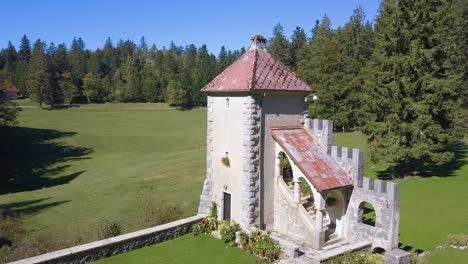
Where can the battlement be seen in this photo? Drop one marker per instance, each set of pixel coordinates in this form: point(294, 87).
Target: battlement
point(385, 190)
point(322, 130)
point(351, 160)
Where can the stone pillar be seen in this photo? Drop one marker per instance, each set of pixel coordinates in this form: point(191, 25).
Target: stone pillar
point(319, 240)
point(319, 221)
point(297, 191)
point(397, 256)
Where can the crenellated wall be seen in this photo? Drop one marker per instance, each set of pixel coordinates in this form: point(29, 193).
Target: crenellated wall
point(322, 131)
point(351, 160)
point(382, 195)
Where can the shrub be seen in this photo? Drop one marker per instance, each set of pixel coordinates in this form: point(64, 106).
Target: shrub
point(262, 245)
point(357, 257)
point(458, 240)
point(228, 230)
point(109, 229)
point(207, 225)
point(214, 210)
point(226, 162)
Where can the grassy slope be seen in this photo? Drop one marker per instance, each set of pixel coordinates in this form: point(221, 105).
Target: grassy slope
point(136, 156)
point(431, 208)
point(186, 249)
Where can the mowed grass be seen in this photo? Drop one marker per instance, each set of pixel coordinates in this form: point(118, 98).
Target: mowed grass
point(133, 157)
point(187, 249)
point(105, 162)
point(431, 208)
point(448, 256)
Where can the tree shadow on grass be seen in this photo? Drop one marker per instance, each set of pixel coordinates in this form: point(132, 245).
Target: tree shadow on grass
point(409, 248)
point(27, 207)
point(460, 151)
point(32, 159)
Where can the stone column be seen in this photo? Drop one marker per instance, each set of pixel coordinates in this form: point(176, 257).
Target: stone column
point(319, 221)
point(319, 239)
point(297, 191)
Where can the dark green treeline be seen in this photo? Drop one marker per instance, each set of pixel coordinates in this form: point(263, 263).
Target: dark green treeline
point(125, 72)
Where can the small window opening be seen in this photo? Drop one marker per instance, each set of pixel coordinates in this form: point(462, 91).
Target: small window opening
point(227, 103)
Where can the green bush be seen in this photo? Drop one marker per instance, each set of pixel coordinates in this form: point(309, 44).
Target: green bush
point(262, 245)
point(207, 225)
point(357, 257)
point(228, 230)
point(109, 229)
point(458, 240)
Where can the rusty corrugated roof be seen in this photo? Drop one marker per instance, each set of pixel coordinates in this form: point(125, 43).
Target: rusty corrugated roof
point(319, 168)
point(257, 70)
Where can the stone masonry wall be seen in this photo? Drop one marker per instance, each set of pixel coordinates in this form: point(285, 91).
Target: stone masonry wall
point(116, 245)
point(206, 196)
point(250, 182)
point(287, 219)
point(384, 197)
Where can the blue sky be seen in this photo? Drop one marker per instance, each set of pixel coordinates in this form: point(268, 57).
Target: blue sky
point(215, 23)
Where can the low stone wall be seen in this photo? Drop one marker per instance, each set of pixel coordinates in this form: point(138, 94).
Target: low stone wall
point(117, 245)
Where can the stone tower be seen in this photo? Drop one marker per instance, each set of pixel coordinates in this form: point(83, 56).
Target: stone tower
point(252, 95)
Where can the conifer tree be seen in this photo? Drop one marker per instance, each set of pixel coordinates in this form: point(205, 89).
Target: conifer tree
point(38, 82)
point(412, 96)
point(279, 45)
point(298, 41)
point(22, 67)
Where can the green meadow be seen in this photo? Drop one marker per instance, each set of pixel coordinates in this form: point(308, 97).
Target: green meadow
point(77, 168)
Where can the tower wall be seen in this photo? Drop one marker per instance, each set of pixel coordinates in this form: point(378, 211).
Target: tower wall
point(277, 110)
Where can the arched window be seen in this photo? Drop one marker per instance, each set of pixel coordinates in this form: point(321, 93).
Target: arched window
point(366, 214)
point(227, 103)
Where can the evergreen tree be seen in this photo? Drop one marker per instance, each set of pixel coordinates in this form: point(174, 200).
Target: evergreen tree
point(22, 67)
point(332, 64)
point(38, 82)
point(412, 96)
point(298, 41)
point(279, 45)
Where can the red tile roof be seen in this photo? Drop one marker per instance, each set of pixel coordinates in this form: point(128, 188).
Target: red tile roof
point(257, 70)
point(12, 89)
point(318, 167)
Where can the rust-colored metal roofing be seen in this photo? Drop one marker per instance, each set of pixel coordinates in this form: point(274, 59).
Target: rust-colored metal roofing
point(257, 70)
point(319, 168)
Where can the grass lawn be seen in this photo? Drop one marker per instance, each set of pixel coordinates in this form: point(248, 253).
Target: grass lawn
point(77, 168)
point(431, 208)
point(448, 256)
point(187, 249)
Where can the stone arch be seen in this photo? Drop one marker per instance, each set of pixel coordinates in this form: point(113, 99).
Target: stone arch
point(307, 194)
point(378, 250)
point(367, 214)
point(285, 167)
point(335, 208)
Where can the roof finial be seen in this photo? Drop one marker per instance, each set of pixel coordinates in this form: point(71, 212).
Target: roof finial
point(258, 42)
